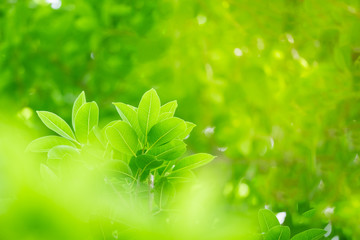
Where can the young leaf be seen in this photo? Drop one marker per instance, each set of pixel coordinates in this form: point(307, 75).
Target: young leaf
point(148, 111)
point(166, 131)
point(59, 152)
point(86, 118)
point(169, 107)
point(112, 123)
point(193, 161)
point(278, 233)
point(44, 144)
point(128, 114)
point(267, 220)
point(96, 136)
point(165, 115)
point(189, 128)
point(123, 138)
point(80, 100)
point(311, 234)
point(57, 124)
point(169, 151)
point(168, 110)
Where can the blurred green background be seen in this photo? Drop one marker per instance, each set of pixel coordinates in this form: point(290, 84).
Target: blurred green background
point(273, 86)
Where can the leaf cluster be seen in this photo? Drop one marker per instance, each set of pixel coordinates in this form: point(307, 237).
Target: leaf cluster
point(272, 230)
point(143, 150)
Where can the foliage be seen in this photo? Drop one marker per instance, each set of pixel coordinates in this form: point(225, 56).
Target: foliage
point(142, 150)
point(272, 85)
point(272, 229)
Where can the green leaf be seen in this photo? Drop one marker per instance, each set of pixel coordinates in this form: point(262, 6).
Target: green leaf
point(164, 116)
point(164, 192)
point(168, 110)
point(97, 136)
point(86, 118)
point(267, 220)
point(148, 111)
point(123, 138)
point(44, 144)
point(79, 101)
point(57, 124)
point(117, 167)
point(166, 131)
point(146, 163)
point(278, 233)
point(311, 234)
point(62, 151)
point(193, 161)
point(181, 176)
point(189, 127)
point(128, 114)
point(169, 151)
point(310, 213)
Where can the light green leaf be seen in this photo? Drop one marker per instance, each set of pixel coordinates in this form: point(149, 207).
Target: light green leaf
point(112, 123)
point(148, 111)
point(169, 151)
point(166, 131)
point(86, 118)
point(62, 151)
point(97, 136)
point(128, 114)
point(165, 115)
point(44, 144)
point(168, 110)
point(182, 176)
point(278, 233)
point(57, 124)
point(79, 101)
point(189, 127)
point(164, 193)
point(311, 234)
point(117, 167)
point(123, 138)
point(193, 161)
point(267, 220)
